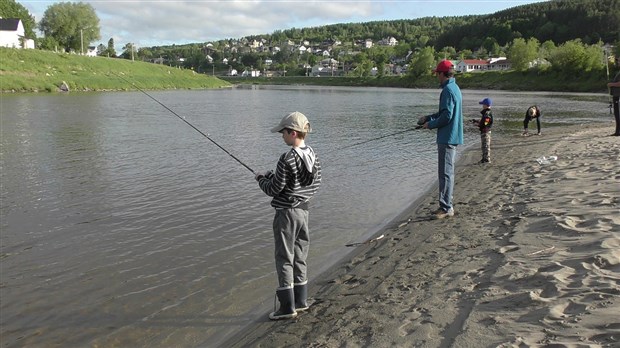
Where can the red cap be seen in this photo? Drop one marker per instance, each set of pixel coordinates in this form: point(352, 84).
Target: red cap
point(444, 66)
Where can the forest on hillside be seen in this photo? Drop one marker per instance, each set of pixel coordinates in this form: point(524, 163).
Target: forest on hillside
point(558, 21)
point(589, 22)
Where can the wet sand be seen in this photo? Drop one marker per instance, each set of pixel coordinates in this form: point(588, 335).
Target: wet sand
point(531, 259)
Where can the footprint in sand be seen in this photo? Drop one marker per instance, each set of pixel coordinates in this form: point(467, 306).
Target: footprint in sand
point(410, 322)
point(473, 273)
point(508, 248)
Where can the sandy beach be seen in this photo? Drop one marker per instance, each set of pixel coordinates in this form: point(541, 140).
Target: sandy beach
point(531, 259)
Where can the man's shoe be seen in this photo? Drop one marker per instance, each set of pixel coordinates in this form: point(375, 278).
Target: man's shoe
point(442, 214)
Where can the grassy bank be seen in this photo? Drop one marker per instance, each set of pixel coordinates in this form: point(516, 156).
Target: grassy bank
point(505, 80)
point(43, 71)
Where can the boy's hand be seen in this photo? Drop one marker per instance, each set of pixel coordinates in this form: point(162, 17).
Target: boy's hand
point(422, 120)
point(266, 174)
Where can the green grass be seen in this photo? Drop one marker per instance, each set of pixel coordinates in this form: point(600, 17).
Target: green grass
point(37, 71)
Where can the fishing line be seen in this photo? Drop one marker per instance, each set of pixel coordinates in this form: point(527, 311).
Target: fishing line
point(377, 138)
point(189, 124)
point(383, 136)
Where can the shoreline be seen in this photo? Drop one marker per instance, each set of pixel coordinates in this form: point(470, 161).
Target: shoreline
point(497, 272)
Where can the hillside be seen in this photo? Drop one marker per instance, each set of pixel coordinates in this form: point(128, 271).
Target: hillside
point(557, 20)
point(33, 71)
point(470, 37)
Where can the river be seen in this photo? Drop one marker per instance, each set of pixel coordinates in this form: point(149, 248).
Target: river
point(123, 226)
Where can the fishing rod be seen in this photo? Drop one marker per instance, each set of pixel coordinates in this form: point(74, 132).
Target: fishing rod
point(189, 124)
point(381, 137)
point(608, 88)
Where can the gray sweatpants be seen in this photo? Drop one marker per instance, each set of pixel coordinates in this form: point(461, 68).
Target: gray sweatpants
point(292, 240)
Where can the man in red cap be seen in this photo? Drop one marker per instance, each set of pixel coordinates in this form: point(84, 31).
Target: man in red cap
point(449, 124)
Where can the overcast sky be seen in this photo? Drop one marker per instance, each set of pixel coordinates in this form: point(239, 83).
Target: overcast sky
point(165, 22)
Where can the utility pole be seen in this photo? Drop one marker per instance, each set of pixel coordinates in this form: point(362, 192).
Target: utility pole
point(82, 40)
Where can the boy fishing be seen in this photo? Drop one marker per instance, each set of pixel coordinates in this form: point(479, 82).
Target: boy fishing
point(484, 124)
point(295, 181)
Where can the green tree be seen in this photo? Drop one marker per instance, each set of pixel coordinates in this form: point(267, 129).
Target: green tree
point(145, 54)
point(129, 51)
point(522, 52)
point(595, 57)
point(12, 9)
point(380, 60)
point(108, 51)
point(101, 50)
point(491, 45)
point(466, 54)
point(363, 65)
point(422, 62)
point(47, 43)
point(250, 60)
point(546, 48)
point(111, 51)
point(575, 57)
point(73, 25)
point(447, 52)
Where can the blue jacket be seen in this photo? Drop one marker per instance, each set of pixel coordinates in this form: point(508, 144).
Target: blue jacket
point(449, 119)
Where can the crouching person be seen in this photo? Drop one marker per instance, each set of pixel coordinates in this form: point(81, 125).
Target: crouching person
point(295, 181)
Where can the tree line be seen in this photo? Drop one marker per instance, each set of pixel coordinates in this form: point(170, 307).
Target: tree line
point(566, 33)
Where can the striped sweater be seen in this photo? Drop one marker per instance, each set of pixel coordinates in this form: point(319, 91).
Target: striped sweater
point(296, 179)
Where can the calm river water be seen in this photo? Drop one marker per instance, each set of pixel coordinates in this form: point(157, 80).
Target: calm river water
point(123, 226)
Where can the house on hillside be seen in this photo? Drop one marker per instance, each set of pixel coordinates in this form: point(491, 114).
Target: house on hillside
point(390, 41)
point(91, 51)
point(469, 65)
point(12, 34)
point(251, 73)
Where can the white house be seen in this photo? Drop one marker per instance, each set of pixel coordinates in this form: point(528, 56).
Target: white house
point(91, 51)
point(501, 63)
point(390, 41)
point(252, 73)
point(12, 34)
point(467, 65)
point(319, 70)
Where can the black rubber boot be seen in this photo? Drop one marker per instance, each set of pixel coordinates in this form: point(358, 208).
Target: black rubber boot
point(301, 297)
point(287, 306)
